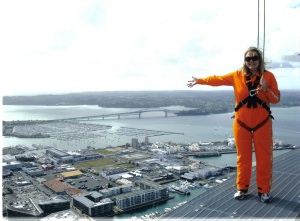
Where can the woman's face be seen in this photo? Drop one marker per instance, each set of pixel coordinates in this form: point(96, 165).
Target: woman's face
point(252, 61)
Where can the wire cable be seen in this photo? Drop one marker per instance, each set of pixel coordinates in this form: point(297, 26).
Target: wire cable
point(257, 43)
point(263, 51)
point(263, 28)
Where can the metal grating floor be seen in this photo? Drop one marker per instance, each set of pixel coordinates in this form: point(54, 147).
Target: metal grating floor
point(218, 202)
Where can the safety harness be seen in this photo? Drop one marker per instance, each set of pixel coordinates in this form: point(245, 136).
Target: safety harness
point(252, 100)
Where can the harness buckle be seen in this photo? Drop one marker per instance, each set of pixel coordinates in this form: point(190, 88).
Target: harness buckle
point(253, 92)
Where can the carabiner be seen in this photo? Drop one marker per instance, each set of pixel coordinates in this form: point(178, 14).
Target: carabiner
point(253, 92)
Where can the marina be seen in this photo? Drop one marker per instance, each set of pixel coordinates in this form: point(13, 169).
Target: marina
point(183, 188)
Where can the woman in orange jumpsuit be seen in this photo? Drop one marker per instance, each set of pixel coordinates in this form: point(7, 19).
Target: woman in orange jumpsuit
point(254, 89)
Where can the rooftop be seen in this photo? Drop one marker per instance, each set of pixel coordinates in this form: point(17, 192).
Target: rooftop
point(218, 202)
point(72, 173)
point(56, 185)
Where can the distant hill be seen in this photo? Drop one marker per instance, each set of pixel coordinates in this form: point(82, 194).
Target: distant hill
point(218, 100)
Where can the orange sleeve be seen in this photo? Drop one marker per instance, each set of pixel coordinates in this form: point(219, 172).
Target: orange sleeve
point(273, 94)
point(225, 80)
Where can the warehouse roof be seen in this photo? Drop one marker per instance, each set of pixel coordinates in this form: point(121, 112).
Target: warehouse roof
point(71, 173)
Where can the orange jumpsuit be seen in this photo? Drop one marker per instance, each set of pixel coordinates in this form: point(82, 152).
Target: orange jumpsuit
point(261, 139)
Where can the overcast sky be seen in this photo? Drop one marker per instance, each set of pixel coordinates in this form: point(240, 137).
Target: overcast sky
point(61, 46)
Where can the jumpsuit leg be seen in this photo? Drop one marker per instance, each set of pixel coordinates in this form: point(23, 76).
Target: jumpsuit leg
point(243, 140)
point(263, 144)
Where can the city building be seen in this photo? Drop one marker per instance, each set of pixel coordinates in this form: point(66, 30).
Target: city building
point(190, 176)
point(37, 207)
point(59, 156)
point(25, 158)
point(85, 154)
point(7, 158)
point(116, 190)
point(47, 167)
point(53, 204)
point(180, 169)
point(12, 165)
point(33, 171)
point(56, 186)
point(114, 171)
point(25, 208)
point(133, 199)
point(93, 205)
point(146, 184)
point(71, 174)
point(134, 142)
point(146, 140)
point(150, 192)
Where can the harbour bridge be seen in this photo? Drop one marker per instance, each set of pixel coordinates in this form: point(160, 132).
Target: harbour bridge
point(118, 115)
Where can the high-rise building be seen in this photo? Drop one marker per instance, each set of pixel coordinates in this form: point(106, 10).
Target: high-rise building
point(146, 140)
point(134, 142)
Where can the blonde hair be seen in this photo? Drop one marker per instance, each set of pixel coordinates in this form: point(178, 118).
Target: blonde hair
point(261, 66)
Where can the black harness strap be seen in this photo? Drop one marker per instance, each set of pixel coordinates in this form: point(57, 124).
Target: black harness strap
point(252, 100)
point(251, 87)
point(252, 130)
point(257, 101)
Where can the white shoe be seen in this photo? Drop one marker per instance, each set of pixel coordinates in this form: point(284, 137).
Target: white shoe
point(265, 197)
point(240, 194)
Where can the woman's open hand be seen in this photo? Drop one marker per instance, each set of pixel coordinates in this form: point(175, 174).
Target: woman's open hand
point(192, 82)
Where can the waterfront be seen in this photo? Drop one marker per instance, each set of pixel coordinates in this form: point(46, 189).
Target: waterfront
point(160, 208)
point(229, 159)
point(197, 128)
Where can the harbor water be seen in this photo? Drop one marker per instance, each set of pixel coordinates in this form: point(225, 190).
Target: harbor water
point(186, 129)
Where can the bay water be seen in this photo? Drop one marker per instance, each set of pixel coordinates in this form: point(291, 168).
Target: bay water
point(186, 129)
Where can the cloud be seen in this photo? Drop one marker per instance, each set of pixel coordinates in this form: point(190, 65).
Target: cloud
point(56, 46)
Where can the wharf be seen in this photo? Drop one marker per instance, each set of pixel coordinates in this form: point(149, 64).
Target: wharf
point(218, 202)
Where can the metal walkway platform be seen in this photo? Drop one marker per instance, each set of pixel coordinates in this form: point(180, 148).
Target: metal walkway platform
point(218, 202)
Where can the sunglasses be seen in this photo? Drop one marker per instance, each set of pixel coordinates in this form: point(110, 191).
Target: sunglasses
point(254, 58)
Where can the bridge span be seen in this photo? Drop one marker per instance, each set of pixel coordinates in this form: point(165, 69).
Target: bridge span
point(118, 115)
